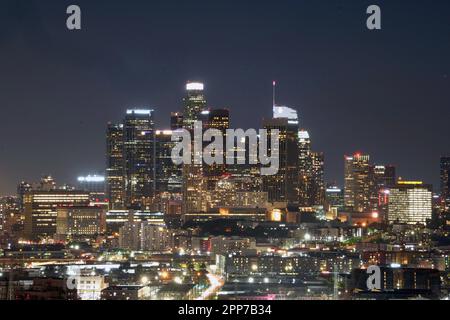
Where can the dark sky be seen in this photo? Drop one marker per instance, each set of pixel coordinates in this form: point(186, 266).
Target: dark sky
point(386, 93)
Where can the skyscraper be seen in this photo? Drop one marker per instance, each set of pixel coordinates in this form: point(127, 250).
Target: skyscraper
point(357, 183)
point(445, 182)
point(115, 179)
point(218, 119)
point(282, 187)
point(193, 182)
point(169, 177)
point(317, 189)
point(139, 157)
point(305, 167)
point(194, 104)
point(311, 184)
point(382, 177)
point(410, 202)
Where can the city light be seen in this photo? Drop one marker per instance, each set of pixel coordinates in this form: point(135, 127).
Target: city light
point(90, 178)
point(195, 86)
point(139, 111)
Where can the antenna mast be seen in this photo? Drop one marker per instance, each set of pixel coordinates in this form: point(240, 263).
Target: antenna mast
point(274, 84)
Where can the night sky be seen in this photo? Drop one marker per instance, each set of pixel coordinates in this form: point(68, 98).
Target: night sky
point(386, 93)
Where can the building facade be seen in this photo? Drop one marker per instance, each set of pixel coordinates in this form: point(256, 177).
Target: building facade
point(139, 157)
point(115, 180)
point(41, 210)
point(283, 186)
point(357, 183)
point(445, 182)
point(410, 202)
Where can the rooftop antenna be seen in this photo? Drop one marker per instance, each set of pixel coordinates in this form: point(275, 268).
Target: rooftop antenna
point(274, 84)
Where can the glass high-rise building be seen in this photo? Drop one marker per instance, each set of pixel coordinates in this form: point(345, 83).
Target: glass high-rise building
point(311, 184)
point(357, 183)
point(283, 186)
point(445, 182)
point(194, 104)
point(139, 157)
point(115, 179)
point(169, 177)
point(317, 190)
point(305, 167)
point(218, 119)
point(382, 178)
point(193, 182)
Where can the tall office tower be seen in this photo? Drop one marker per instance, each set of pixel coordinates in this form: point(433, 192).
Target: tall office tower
point(410, 202)
point(317, 189)
point(216, 119)
point(305, 167)
point(176, 120)
point(381, 179)
point(169, 177)
point(194, 104)
point(41, 210)
point(445, 182)
point(139, 157)
point(47, 183)
point(282, 187)
point(357, 183)
point(115, 180)
point(22, 189)
point(193, 182)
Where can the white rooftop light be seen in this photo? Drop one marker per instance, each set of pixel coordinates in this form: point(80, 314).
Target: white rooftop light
point(90, 178)
point(193, 86)
point(139, 111)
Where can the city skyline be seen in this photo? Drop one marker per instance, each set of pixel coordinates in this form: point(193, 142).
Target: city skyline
point(390, 86)
point(234, 153)
point(154, 111)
